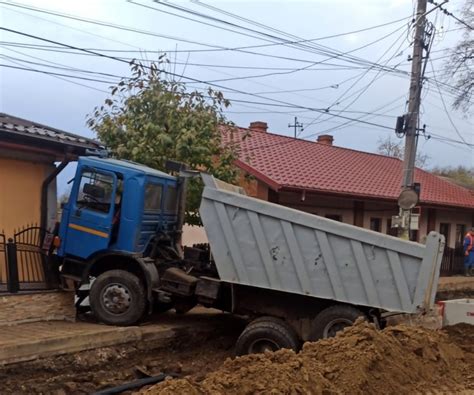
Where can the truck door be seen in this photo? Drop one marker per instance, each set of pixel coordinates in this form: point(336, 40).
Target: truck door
point(91, 213)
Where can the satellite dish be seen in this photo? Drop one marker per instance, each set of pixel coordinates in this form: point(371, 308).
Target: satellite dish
point(408, 199)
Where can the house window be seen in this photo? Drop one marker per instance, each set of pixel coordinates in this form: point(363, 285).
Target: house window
point(444, 230)
point(460, 232)
point(391, 231)
point(95, 191)
point(334, 217)
point(376, 224)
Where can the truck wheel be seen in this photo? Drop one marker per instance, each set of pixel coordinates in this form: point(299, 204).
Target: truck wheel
point(266, 334)
point(332, 320)
point(117, 297)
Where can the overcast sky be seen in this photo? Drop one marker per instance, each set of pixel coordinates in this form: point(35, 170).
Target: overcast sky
point(60, 103)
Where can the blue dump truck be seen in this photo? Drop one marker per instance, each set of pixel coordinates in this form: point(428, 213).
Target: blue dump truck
point(297, 276)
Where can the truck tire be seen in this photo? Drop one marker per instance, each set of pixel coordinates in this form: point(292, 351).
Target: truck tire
point(266, 334)
point(333, 319)
point(117, 297)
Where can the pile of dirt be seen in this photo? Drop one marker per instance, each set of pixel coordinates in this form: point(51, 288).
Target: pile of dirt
point(359, 360)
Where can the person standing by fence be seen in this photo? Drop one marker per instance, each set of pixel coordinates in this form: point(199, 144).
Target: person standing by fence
point(469, 253)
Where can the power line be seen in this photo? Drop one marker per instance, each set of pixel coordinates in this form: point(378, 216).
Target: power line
point(60, 76)
point(448, 88)
point(318, 49)
point(445, 107)
point(59, 67)
point(213, 47)
point(53, 73)
point(446, 12)
point(182, 76)
point(314, 122)
point(315, 63)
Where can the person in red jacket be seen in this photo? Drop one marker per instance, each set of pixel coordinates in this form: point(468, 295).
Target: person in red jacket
point(469, 253)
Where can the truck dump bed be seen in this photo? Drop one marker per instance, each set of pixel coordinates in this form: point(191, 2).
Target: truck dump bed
point(265, 245)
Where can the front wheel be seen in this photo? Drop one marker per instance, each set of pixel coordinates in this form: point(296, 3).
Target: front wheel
point(117, 297)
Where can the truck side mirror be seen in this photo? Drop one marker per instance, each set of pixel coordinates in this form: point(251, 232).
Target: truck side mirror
point(94, 191)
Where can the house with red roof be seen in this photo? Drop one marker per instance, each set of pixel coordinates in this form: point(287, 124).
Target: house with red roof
point(347, 185)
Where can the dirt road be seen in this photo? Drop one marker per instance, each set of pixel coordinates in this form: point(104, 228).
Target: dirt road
point(191, 353)
point(361, 360)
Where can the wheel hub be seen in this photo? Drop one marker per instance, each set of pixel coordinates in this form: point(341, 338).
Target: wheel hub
point(262, 345)
point(116, 298)
point(335, 326)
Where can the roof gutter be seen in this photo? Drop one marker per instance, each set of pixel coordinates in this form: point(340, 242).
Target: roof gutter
point(244, 166)
point(44, 191)
point(385, 199)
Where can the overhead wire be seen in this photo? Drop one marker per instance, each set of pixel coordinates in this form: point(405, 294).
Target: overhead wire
point(174, 75)
point(362, 75)
point(213, 47)
point(446, 108)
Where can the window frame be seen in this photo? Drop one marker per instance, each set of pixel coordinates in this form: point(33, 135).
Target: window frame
point(379, 221)
point(159, 209)
point(167, 199)
point(335, 217)
point(448, 235)
point(111, 202)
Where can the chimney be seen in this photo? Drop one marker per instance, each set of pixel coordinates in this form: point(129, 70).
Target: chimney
point(325, 139)
point(258, 126)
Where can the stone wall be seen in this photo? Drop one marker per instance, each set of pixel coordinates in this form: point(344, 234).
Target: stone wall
point(36, 306)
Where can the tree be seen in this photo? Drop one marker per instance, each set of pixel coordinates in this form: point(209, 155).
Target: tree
point(460, 61)
point(461, 175)
point(394, 148)
point(150, 119)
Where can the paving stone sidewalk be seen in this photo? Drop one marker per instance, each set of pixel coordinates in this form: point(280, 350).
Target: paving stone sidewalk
point(28, 341)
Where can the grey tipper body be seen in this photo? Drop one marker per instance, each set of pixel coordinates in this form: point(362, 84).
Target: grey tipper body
point(264, 245)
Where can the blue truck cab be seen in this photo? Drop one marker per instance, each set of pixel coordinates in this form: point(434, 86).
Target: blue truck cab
point(117, 214)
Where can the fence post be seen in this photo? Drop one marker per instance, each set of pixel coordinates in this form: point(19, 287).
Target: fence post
point(13, 281)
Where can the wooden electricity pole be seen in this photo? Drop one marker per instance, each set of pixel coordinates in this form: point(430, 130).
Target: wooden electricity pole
point(296, 125)
point(411, 123)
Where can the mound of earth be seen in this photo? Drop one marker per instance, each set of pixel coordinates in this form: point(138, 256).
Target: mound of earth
point(359, 360)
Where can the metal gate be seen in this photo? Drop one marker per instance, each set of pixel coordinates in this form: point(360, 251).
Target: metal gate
point(32, 246)
point(453, 261)
point(3, 263)
point(25, 261)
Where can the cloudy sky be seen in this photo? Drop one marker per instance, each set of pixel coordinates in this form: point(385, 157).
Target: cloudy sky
point(280, 81)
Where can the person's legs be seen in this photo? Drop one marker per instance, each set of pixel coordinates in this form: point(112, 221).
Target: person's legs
point(467, 266)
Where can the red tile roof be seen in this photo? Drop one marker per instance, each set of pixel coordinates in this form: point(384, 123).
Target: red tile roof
point(285, 162)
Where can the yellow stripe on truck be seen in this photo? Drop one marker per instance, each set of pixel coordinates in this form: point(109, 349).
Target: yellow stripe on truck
point(89, 230)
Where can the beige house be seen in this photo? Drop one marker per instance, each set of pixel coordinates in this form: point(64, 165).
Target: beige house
point(31, 155)
point(345, 185)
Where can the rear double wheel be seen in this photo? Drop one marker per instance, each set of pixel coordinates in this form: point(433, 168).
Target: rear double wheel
point(267, 334)
point(332, 320)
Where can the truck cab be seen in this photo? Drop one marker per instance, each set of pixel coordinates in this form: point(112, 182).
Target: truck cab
point(117, 213)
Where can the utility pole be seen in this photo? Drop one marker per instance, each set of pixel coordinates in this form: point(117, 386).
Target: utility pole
point(408, 196)
point(296, 126)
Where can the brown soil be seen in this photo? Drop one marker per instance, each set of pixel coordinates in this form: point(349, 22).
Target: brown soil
point(360, 360)
point(89, 371)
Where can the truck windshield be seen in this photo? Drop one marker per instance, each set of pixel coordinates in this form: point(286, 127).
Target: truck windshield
point(153, 194)
point(95, 191)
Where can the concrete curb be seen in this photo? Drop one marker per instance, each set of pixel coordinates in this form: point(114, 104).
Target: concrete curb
point(10, 354)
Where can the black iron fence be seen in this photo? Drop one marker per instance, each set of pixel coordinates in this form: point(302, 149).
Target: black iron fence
point(25, 262)
point(3, 263)
point(453, 261)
